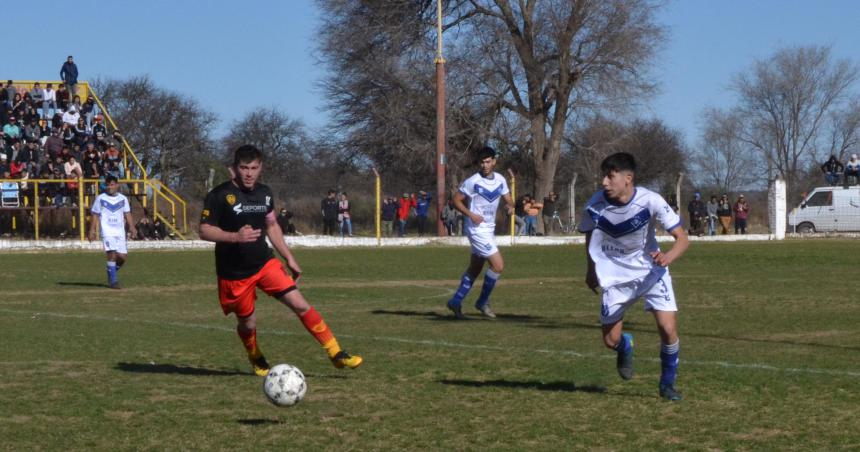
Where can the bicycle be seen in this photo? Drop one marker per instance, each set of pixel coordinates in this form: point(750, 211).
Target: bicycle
point(564, 228)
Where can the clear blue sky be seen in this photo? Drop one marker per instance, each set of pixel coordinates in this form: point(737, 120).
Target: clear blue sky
point(234, 58)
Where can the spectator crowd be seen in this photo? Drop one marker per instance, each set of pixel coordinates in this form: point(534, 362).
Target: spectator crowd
point(49, 132)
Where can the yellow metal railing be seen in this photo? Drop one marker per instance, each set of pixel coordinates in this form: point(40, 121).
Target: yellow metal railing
point(83, 200)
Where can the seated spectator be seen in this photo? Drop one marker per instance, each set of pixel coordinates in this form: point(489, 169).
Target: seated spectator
point(29, 155)
point(37, 94)
point(831, 169)
point(99, 129)
point(284, 217)
point(145, 228)
point(18, 106)
point(82, 132)
point(16, 168)
point(71, 116)
point(53, 144)
point(57, 120)
point(160, 230)
point(11, 131)
point(67, 134)
point(88, 110)
point(852, 171)
point(33, 131)
point(62, 96)
point(49, 101)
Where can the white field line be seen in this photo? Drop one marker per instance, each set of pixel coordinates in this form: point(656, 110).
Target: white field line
point(443, 344)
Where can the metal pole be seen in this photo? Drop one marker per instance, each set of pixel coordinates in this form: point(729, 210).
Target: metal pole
point(81, 208)
point(36, 207)
point(378, 211)
point(440, 124)
point(571, 202)
point(514, 197)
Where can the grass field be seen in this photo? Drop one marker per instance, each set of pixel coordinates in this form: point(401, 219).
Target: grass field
point(769, 357)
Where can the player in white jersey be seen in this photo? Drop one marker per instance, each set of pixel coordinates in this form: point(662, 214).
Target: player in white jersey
point(625, 261)
point(111, 211)
point(483, 191)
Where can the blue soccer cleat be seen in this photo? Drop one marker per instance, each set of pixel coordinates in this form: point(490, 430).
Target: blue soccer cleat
point(624, 362)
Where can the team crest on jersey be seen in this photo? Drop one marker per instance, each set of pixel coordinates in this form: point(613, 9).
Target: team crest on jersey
point(205, 214)
point(231, 199)
point(489, 195)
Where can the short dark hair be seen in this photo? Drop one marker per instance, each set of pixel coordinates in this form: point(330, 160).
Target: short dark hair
point(110, 178)
point(618, 162)
point(246, 153)
point(485, 152)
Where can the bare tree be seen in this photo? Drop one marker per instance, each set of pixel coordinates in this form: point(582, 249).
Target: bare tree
point(724, 161)
point(786, 106)
point(170, 133)
point(659, 151)
point(517, 71)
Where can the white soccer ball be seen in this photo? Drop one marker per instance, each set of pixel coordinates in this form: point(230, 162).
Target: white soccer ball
point(285, 385)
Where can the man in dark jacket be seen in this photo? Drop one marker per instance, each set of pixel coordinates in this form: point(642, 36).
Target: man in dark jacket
point(389, 211)
point(69, 75)
point(831, 169)
point(328, 206)
point(697, 211)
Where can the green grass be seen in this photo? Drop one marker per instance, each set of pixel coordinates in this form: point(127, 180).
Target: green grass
point(769, 335)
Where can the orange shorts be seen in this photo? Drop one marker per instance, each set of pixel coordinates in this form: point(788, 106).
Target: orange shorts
point(238, 295)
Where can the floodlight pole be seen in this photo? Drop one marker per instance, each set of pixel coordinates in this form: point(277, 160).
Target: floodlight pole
point(440, 124)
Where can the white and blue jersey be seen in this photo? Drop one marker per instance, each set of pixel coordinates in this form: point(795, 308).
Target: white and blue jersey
point(483, 194)
point(623, 236)
point(111, 211)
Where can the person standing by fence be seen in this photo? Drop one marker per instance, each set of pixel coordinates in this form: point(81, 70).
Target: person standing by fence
point(328, 206)
point(742, 209)
point(724, 213)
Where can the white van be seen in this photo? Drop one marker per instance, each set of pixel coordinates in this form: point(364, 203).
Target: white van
point(827, 209)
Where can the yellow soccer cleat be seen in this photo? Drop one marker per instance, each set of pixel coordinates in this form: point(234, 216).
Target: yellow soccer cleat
point(344, 359)
point(260, 365)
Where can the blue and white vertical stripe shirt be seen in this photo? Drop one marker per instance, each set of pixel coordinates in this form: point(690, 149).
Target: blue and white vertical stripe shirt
point(622, 236)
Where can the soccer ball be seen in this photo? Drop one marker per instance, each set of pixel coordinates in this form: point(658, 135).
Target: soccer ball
point(285, 385)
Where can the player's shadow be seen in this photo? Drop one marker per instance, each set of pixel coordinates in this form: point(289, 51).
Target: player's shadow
point(80, 284)
point(255, 422)
point(146, 368)
point(648, 328)
point(561, 386)
point(436, 316)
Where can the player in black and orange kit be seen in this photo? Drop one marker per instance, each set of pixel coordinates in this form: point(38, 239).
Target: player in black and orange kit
point(238, 215)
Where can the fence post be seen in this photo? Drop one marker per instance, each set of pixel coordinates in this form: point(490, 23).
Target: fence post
point(514, 198)
point(377, 213)
point(776, 209)
point(36, 211)
point(572, 202)
point(678, 192)
point(81, 208)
